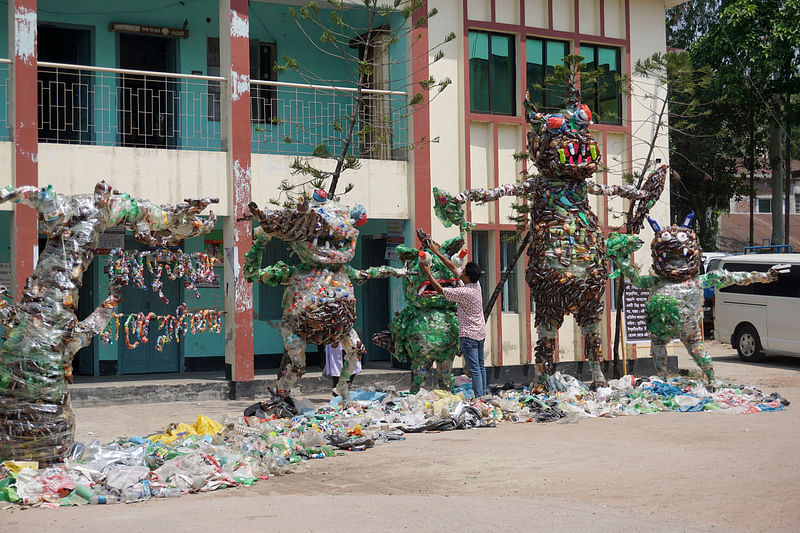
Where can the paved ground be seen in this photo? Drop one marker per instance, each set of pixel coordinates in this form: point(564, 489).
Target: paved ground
point(664, 472)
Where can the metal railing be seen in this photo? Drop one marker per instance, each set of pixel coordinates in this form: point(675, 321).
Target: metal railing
point(300, 119)
point(82, 104)
point(5, 98)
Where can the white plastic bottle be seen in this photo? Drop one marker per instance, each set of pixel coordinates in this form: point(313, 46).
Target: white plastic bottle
point(460, 259)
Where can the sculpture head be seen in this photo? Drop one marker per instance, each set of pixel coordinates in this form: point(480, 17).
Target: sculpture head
point(333, 238)
point(560, 144)
point(416, 287)
point(676, 251)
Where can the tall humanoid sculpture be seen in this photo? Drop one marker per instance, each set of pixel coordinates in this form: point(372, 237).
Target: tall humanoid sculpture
point(566, 258)
point(42, 331)
point(319, 305)
point(675, 304)
point(426, 330)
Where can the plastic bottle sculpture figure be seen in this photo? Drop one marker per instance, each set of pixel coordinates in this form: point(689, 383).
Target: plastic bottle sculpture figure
point(42, 332)
point(566, 258)
point(319, 306)
point(675, 304)
point(426, 331)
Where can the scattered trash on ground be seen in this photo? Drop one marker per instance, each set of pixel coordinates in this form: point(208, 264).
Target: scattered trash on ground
point(241, 450)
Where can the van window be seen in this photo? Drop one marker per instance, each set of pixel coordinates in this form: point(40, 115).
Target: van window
point(787, 286)
point(760, 289)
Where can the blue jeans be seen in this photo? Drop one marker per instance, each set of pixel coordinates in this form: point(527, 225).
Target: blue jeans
point(473, 356)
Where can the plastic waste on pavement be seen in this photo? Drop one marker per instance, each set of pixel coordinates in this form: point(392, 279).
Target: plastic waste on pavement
point(242, 450)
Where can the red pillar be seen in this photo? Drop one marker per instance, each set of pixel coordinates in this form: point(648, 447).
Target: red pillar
point(422, 126)
point(24, 132)
point(235, 67)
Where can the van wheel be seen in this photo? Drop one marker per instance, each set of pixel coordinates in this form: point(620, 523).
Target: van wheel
point(748, 345)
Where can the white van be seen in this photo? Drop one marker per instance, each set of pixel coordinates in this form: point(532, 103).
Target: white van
point(760, 317)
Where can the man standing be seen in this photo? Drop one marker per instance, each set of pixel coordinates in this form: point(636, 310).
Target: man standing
point(469, 311)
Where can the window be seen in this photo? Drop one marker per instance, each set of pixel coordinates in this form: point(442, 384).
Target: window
point(262, 97)
point(492, 80)
point(603, 97)
point(480, 254)
point(764, 205)
point(212, 69)
point(262, 61)
point(541, 58)
point(797, 203)
point(375, 118)
point(508, 251)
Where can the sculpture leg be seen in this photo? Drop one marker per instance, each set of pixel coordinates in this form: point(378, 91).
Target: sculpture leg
point(693, 340)
point(592, 345)
point(352, 350)
point(293, 366)
point(419, 374)
point(658, 351)
point(446, 378)
point(547, 321)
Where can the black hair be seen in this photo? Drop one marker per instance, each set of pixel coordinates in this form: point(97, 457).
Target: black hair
point(473, 271)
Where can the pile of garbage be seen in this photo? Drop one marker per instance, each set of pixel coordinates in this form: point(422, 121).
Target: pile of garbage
point(241, 450)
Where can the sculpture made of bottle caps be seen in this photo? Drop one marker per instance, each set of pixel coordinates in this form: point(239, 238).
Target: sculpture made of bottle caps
point(425, 332)
point(675, 304)
point(43, 332)
point(566, 268)
point(319, 304)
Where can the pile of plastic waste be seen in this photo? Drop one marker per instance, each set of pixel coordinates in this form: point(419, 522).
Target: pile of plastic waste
point(241, 450)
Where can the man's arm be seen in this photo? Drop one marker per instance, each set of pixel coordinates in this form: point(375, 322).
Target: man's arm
point(444, 259)
point(427, 271)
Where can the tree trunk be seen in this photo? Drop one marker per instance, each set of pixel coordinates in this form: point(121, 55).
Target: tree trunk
point(776, 167)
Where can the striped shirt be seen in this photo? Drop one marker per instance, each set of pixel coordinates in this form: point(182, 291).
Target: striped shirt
point(469, 310)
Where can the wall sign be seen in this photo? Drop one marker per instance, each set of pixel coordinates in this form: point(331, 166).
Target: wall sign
point(161, 31)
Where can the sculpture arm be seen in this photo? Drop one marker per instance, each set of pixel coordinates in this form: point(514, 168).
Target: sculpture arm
point(273, 275)
point(449, 208)
point(380, 272)
point(55, 209)
point(84, 331)
point(619, 248)
point(722, 278)
point(625, 191)
point(161, 226)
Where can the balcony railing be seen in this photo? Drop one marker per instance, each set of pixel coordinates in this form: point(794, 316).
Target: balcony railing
point(121, 107)
point(297, 119)
point(81, 104)
point(5, 98)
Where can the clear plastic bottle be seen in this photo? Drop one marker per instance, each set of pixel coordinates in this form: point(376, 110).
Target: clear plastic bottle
point(166, 492)
point(103, 499)
point(137, 492)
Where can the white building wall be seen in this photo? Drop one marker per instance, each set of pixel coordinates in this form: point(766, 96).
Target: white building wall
point(623, 152)
point(169, 176)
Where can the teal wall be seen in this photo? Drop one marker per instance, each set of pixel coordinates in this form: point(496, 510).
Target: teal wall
point(266, 336)
point(270, 23)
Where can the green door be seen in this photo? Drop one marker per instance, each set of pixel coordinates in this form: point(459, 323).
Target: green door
point(375, 298)
point(145, 358)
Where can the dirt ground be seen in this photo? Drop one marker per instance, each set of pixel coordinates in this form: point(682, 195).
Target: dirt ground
point(662, 472)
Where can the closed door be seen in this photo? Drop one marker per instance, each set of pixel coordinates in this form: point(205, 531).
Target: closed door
point(145, 358)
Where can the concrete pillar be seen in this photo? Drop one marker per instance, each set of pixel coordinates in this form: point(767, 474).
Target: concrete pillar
point(234, 39)
point(24, 133)
point(421, 170)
